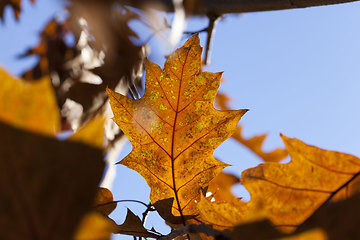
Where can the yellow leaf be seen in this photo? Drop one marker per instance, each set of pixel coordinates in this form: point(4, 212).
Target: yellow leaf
point(95, 226)
point(92, 133)
point(30, 106)
point(46, 185)
point(174, 128)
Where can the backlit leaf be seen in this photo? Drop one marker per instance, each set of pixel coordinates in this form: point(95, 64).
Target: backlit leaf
point(287, 194)
point(92, 133)
point(174, 128)
point(30, 106)
point(220, 187)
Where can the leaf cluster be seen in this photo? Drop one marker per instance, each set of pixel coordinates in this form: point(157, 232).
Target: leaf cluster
point(49, 184)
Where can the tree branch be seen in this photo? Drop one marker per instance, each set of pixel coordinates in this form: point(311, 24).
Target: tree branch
point(219, 7)
point(196, 229)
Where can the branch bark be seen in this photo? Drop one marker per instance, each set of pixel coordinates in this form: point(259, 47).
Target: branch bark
point(219, 7)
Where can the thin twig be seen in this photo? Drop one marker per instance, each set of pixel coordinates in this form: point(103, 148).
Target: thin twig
point(119, 201)
point(213, 19)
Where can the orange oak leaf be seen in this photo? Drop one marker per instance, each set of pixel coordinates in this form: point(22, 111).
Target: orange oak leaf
point(174, 128)
point(220, 187)
point(287, 194)
point(255, 143)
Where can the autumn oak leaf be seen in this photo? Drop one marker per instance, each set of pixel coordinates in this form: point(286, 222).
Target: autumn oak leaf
point(288, 194)
point(174, 128)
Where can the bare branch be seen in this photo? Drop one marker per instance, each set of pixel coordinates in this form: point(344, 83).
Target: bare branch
point(196, 229)
point(219, 7)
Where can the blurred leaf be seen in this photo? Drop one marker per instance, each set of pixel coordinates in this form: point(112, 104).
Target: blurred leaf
point(92, 133)
point(46, 185)
point(15, 5)
point(95, 226)
point(52, 51)
point(104, 201)
point(30, 106)
point(174, 128)
point(220, 186)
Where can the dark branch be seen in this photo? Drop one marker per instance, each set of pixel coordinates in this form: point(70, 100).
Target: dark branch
point(219, 7)
point(196, 229)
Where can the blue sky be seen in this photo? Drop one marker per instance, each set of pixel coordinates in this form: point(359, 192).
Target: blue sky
point(298, 71)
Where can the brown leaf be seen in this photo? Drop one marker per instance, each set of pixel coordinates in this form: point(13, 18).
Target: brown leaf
point(52, 51)
point(15, 6)
point(338, 220)
point(134, 227)
point(164, 208)
point(174, 128)
point(335, 221)
point(104, 201)
point(46, 185)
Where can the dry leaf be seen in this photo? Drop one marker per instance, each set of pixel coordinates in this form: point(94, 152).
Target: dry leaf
point(134, 227)
point(174, 128)
point(289, 193)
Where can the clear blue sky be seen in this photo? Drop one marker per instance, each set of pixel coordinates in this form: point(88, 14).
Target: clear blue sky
point(298, 71)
